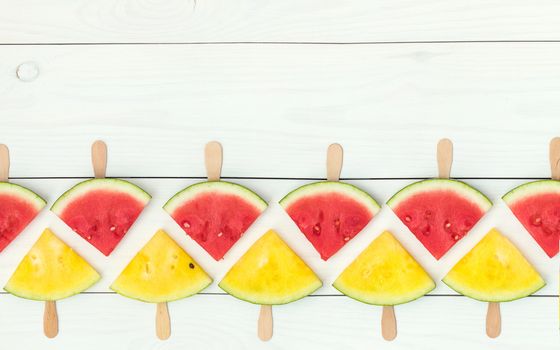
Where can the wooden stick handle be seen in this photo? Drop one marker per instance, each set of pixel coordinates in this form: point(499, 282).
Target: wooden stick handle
point(265, 323)
point(334, 162)
point(163, 322)
point(388, 323)
point(555, 158)
point(213, 157)
point(4, 163)
point(493, 320)
point(50, 319)
point(99, 158)
point(444, 158)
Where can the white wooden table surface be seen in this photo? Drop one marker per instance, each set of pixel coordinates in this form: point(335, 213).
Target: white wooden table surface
point(276, 82)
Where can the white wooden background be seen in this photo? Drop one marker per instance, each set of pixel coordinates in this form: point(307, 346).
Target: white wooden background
point(276, 82)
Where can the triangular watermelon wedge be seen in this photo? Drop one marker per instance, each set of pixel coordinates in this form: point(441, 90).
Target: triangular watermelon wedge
point(18, 207)
point(101, 211)
point(215, 213)
point(160, 272)
point(537, 206)
point(439, 212)
point(329, 213)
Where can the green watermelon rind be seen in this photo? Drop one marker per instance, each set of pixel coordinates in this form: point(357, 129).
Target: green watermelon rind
point(532, 188)
point(496, 298)
point(33, 296)
point(23, 193)
point(461, 188)
point(263, 301)
point(190, 192)
point(397, 300)
point(166, 299)
point(96, 184)
point(320, 187)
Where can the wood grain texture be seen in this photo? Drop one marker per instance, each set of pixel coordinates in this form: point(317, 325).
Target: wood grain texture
point(106, 21)
point(312, 323)
point(276, 108)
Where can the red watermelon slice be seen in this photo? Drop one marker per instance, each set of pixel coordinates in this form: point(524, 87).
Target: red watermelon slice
point(215, 213)
point(329, 213)
point(439, 212)
point(537, 205)
point(18, 206)
point(101, 210)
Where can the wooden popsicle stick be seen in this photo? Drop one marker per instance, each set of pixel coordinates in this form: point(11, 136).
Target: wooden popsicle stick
point(388, 323)
point(4, 163)
point(444, 158)
point(554, 155)
point(163, 322)
point(493, 320)
point(265, 323)
point(50, 319)
point(334, 162)
point(213, 156)
point(99, 159)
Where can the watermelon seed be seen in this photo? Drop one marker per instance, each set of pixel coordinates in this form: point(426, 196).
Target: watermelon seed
point(427, 214)
point(33, 257)
point(337, 223)
point(147, 268)
point(175, 256)
point(191, 265)
point(346, 238)
point(112, 228)
point(186, 224)
point(536, 220)
point(426, 231)
point(88, 237)
point(317, 230)
point(447, 225)
point(172, 267)
point(220, 234)
point(456, 237)
point(407, 218)
point(59, 260)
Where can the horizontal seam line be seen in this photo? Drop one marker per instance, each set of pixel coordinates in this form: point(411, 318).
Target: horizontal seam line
point(288, 42)
point(274, 178)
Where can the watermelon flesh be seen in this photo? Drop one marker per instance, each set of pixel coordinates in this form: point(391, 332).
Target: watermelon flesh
point(18, 207)
point(215, 214)
point(329, 214)
point(439, 216)
point(539, 212)
point(102, 214)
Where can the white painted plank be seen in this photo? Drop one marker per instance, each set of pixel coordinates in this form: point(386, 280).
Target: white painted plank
point(273, 190)
point(275, 108)
point(222, 322)
point(67, 21)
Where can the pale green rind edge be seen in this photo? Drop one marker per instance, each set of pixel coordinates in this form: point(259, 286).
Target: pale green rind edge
point(22, 192)
point(364, 298)
point(460, 187)
point(167, 298)
point(187, 193)
point(117, 184)
point(326, 186)
point(32, 296)
point(473, 294)
point(288, 299)
point(529, 189)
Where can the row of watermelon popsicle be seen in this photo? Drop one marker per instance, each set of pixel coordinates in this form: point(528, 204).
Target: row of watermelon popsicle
point(439, 212)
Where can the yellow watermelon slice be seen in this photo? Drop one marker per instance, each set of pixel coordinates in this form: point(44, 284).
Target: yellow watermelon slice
point(51, 271)
point(161, 271)
point(384, 274)
point(270, 273)
point(494, 271)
